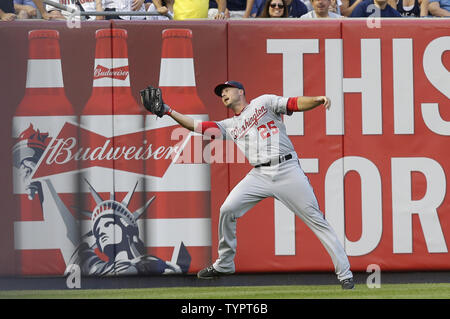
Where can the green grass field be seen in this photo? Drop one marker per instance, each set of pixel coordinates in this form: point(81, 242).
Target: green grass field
point(361, 291)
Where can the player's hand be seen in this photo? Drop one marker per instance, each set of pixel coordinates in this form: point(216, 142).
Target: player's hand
point(325, 101)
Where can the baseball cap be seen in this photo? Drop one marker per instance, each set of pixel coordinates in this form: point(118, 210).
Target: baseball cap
point(233, 84)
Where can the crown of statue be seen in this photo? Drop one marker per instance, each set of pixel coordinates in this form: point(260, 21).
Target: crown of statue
point(34, 138)
point(115, 208)
point(112, 207)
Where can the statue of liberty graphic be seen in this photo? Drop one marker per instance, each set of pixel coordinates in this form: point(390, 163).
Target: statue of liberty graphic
point(111, 245)
point(115, 234)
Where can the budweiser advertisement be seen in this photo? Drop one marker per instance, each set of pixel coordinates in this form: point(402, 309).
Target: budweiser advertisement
point(98, 182)
point(100, 176)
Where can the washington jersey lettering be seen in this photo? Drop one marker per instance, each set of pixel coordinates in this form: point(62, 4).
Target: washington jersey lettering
point(259, 131)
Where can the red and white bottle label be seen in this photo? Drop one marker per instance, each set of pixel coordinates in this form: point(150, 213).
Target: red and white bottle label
point(183, 68)
point(39, 76)
point(111, 73)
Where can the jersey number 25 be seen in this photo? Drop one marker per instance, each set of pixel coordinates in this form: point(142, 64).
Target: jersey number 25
point(267, 130)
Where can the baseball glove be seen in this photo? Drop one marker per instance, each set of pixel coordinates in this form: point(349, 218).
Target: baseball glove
point(152, 100)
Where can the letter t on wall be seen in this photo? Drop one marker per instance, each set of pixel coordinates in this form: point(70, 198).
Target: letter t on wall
point(292, 51)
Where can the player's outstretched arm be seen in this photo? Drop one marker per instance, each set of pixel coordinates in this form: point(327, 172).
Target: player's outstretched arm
point(151, 99)
point(306, 103)
point(184, 120)
point(207, 128)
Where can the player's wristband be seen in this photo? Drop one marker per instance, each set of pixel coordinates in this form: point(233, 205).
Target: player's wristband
point(209, 128)
point(292, 105)
point(168, 110)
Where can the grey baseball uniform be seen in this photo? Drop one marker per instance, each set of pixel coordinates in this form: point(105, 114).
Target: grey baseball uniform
point(260, 134)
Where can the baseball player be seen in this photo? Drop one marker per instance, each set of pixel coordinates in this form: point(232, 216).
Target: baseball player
point(258, 130)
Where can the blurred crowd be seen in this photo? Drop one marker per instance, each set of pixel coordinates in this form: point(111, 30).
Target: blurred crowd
point(220, 9)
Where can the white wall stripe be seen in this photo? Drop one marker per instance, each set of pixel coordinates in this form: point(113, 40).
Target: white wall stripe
point(177, 72)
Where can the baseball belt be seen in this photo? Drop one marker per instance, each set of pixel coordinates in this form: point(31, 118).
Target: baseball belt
point(281, 159)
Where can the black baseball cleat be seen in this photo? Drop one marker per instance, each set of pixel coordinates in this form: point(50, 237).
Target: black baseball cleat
point(347, 283)
point(210, 273)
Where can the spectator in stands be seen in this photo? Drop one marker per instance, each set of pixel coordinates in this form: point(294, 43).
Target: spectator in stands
point(335, 6)
point(190, 9)
point(348, 6)
point(41, 8)
point(320, 10)
point(257, 8)
point(53, 13)
point(7, 10)
point(374, 9)
point(130, 5)
point(413, 8)
point(218, 10)
point(295, 8)
point(439, 8)
point(274, 9)
point(308, 4)
point(193, 9)
point(108, 6)
point(138, 6)
point(113, 6)
point(163, 7)
point(234, 9)
point(25, 9)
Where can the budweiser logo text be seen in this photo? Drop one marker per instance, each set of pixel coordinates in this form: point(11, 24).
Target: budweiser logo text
point(120, 73)
point(118, 152)
point(71, 151)
point(66, 150)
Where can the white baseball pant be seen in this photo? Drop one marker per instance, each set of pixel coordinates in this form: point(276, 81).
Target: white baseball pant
point(287, 183)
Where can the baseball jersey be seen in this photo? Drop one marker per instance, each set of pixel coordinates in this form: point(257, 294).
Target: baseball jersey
point(259, 131)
